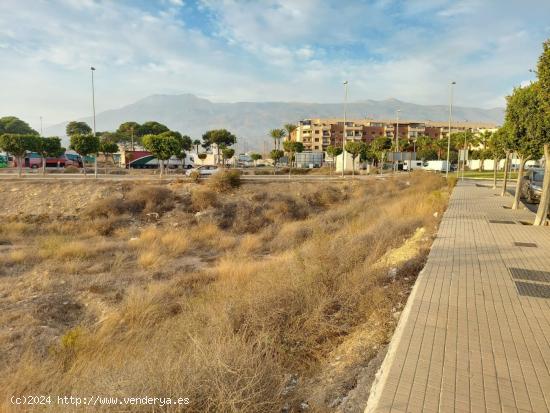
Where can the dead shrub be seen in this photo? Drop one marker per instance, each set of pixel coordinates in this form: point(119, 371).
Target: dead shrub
point(138, 200)
point(224, 181)
point(203, 198)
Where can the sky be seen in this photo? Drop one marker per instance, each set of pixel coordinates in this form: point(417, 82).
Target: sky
point(262, 50)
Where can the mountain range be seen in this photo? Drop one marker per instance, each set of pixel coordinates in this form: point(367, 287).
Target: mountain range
point(251, 121)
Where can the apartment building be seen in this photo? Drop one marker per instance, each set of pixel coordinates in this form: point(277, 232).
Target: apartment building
point(317, 134)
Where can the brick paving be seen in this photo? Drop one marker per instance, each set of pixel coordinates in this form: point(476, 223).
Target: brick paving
point(467, 340)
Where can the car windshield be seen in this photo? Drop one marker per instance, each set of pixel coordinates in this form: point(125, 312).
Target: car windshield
point(538, 176)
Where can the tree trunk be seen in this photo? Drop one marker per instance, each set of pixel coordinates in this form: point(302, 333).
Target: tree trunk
point(95, 166)
point(289, 164)
point(519, 182)
point(43, 165)
point(505, 179)
point(19, 166)
point(352, 166)
point(542, 210)
point(495, 169)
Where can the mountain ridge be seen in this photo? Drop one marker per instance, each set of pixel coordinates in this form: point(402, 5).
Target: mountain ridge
point(251, 121)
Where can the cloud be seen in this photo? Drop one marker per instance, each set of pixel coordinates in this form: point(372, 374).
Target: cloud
point(230, 50)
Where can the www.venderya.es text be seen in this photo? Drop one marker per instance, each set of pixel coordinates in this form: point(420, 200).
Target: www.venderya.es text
point(45, 400)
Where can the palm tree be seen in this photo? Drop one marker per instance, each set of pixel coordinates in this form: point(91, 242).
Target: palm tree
point(290, 127)
point(196, 144)
point(277, 135)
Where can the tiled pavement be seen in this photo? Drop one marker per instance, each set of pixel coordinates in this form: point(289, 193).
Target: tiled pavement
point(467, 340)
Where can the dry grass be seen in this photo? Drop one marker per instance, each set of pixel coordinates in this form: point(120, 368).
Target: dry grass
point(224, 181)
point(203, 198)
point(304, 278)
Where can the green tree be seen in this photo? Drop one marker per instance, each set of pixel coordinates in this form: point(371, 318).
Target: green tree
point(227, 153)
point(289, 128)
point(186, 144)
point(50, 147)
point(276, 154)
point(333, 152)
point(163, 146)
point(526, 120)
point(196, 144)
point(379, 147)
point(85, 145)
point(291, 148)
point(496, 151)
point(543, 70)
point(129, 132)
point(483, 140)
point(277, 135)
point(77, 128)
point(14, 125)
point(19, 145)
point(255, 158)
point(107, 148)
point(219, 137)
point(354, 149)
point(152, 128)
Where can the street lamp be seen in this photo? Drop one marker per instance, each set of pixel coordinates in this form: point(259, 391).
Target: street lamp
point(396, 165)
point(450, 120)
point(92, 69)
point(344, 131)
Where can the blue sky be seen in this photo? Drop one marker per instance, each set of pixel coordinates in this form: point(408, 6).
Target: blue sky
point(264, 50)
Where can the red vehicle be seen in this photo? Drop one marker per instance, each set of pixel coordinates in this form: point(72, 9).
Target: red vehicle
point(34, 161)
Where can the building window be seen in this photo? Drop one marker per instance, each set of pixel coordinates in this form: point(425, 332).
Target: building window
point(317, 132)
point(316, 139)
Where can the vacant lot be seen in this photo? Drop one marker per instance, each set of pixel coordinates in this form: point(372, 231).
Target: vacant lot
point(267, 297)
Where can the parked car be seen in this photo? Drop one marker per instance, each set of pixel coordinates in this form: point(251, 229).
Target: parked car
point(205, 170)
point(531, 188)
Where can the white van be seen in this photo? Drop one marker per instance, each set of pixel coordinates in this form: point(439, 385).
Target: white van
point(412, 165)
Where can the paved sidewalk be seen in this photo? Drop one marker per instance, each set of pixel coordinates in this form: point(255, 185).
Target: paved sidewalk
point(475, 334)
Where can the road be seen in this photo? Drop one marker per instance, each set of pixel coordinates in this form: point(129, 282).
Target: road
point(169, 177)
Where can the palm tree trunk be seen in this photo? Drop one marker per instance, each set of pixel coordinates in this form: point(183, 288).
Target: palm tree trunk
point(542, 210)
point(519, 182)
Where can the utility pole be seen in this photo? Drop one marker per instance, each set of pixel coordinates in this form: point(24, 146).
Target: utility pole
point(344, 131)
point(450, 120)
point(396, 162)
point(92, 69)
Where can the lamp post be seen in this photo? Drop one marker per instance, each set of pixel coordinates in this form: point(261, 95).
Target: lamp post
point(450, 120)
point(92, 69)
point(395, 163)
point(344, 131)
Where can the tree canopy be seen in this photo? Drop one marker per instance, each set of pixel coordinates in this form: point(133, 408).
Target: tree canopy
point(18, 144)
point(77, 128)
point(163, 146)
point(526, 121)
point(85, 144)
point(14, 125)
point(51, 147)
point(152, 128)
point(219, 137)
